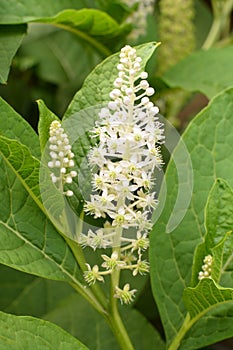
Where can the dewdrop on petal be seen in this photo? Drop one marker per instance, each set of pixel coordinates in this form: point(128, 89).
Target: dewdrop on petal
point(61, 157)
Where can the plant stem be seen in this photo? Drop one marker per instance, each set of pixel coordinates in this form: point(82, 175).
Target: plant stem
point(114, 318)
point(80, 258)
point(220, 19)
point(187, 324)
point(90, 297)
point(118, 329)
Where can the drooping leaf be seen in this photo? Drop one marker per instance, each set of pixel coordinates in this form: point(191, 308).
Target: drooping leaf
point(219, 328)
point(27, 332)
point(24, 294)
point(15, 12)
point(205, 296)
point(10, 40)
point(208, 140)
point(28, 239)
point(13, 126)
point(44, 49)
point(57, 302)
point(218, 239)
point(143, 335)
point(209, 72)
point(88, 21)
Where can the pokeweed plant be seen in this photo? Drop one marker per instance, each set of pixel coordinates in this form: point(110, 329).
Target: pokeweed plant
point(78, 205)
point(82, 204)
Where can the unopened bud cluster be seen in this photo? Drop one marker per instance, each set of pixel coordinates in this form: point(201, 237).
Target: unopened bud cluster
point(206, 268)
point(176, 32)
point(138, 18)
point(61, 157)
point(124, 160)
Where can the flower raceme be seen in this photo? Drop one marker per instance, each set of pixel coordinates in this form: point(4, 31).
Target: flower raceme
point(61, 157)
point(128, 151)
point(129, 136)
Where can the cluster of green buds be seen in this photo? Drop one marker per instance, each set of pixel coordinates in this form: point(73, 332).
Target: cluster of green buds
point(206, 268)
point(176, 32)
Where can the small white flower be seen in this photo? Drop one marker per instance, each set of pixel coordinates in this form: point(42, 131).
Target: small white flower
point(92, 274)
point(125, 295)
point(112, 262)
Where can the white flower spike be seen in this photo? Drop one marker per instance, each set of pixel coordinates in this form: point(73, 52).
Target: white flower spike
point(129, 135)
point(61, 157)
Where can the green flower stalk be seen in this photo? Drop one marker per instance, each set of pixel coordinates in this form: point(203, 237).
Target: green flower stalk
point(176, 32)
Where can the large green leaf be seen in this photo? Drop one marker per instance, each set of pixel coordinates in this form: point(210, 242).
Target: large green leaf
point(143, 335)
point(91, 21)
point(57, 302)
point(44, 48)
point(28, 241)
point(13, 126)
point(24, 332)
point(14, 11)
point(219, 328)
point(209, 72)
point(24, 294)
point(208, 139)
point(10, 40)
point(205, 296)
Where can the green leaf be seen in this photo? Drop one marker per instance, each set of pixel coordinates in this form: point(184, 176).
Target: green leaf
point(13, 11)
point(10, 40)
point(218, 239)
point(99, 83)
point(219, 212)
point(208, 140)
point(205, 296)
point(219, 328)
point(203, 20)
point(44, 49)
point(91, 21)
point(213, 71)
point(28, 239)
point(27, 332)
point(24, 294)
point(13, 126)
point(99, 335)
point(46, 118)
point(216, 304)
point(57, 302)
